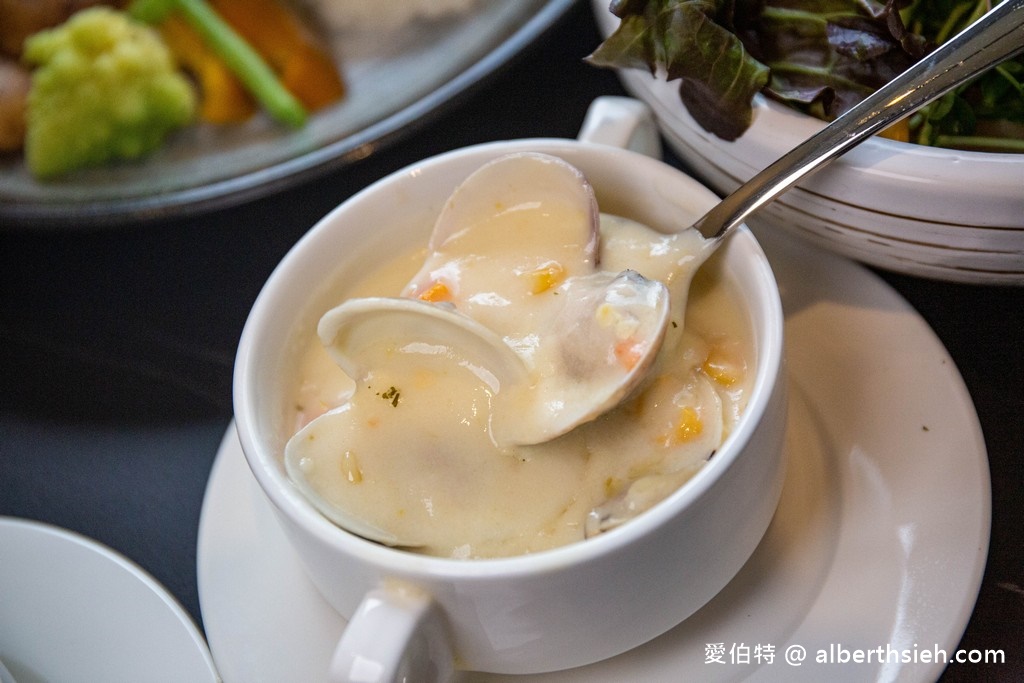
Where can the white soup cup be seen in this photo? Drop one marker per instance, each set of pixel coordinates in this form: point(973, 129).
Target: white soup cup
point(426, 616)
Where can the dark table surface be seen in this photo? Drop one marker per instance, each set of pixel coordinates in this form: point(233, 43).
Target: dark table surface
point(117, 346)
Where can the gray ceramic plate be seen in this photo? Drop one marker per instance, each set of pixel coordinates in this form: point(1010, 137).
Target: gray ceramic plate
point(394, 78)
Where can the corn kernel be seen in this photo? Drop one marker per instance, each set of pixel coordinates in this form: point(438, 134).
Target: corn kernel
point(723, 367)
point(545, 277)
point(689, 426)
point(623, 324)
point(606, 315)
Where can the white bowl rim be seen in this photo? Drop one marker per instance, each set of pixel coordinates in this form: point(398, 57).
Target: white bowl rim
point(778, 112)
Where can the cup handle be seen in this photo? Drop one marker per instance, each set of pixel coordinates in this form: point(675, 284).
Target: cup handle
point(621, 122)
point(397, 634)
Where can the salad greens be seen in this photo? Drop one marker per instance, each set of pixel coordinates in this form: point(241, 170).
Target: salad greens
point(240, 57)
point(104, 87)
point(818, 56)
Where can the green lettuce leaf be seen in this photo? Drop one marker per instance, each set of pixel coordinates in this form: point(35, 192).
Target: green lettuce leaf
point(986, 114)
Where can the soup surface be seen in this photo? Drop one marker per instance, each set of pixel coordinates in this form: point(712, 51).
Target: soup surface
point(411, 449)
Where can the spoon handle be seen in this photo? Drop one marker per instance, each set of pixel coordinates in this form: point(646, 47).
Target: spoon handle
point(993, 38)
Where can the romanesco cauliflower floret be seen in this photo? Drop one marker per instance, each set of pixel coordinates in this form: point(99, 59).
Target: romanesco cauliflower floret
point(105, 87)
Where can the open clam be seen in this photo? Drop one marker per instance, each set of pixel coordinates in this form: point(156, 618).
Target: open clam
point(364, 335)
point(414, 363)
point(517, 248)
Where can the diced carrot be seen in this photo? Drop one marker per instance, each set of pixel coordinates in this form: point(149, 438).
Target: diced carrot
point(628, 352)
point(436, 292)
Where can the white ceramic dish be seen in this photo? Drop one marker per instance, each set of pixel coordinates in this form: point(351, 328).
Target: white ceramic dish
point(943, 214)
point(74, 610)
point(880, 538)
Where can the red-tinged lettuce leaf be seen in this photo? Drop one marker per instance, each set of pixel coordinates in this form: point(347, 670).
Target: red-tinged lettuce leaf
point(820, 56)
point(823, 56)
point(692, 41)
point(826, 55)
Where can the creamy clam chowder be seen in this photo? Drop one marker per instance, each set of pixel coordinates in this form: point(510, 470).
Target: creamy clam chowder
point(519, 419)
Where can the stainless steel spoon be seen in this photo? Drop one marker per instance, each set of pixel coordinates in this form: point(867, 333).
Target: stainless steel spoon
point(995, 37)
point(992, 39)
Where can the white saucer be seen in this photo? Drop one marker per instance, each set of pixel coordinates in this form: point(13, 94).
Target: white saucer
point(74, 610)
point(880, 539)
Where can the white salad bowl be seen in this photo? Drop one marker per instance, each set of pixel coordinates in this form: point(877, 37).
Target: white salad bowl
point(550, 610)
point(937, 213)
